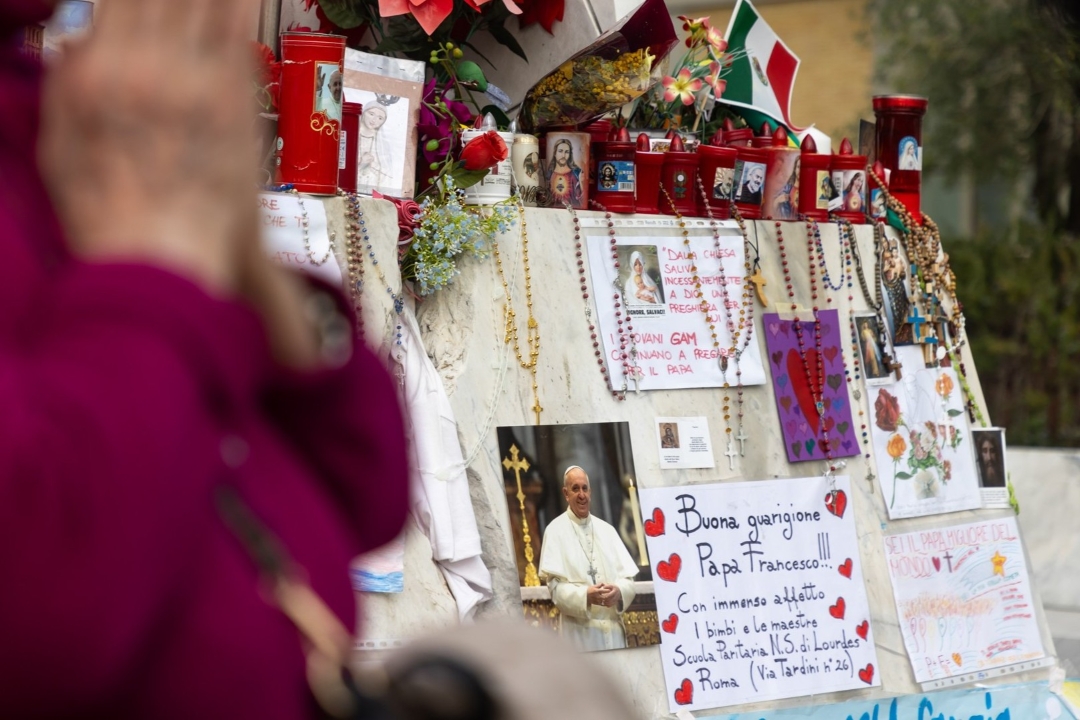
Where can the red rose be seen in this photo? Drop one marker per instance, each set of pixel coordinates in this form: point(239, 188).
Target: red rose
point(484, 152)
point(886, 411)
point(408, 215)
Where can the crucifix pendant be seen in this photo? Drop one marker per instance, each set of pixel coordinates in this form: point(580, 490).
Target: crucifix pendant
point(742, 438)
point(759, 282)
point(730, 452)
point(592, 574)
point(537, 409)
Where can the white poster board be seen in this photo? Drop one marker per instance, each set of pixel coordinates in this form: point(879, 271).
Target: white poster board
point(289, 243)
point(963, 597)
point(671, 336)
point(759, 588)
point(922, 443)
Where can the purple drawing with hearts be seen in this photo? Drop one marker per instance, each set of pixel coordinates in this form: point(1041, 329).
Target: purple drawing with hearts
point(810, 398)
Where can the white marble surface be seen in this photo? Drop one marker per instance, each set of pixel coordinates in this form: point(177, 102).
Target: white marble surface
point(462, 328)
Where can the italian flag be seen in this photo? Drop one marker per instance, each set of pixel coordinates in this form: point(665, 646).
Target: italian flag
point(762, 74)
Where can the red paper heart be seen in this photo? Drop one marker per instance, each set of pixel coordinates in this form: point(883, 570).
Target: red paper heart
point(845, 568)
point(830, 423)
point(830, 353)
point(797, 373)
point(837, 610)
point(655, 527)
point(785, 401)
point(937, 564)
point(836, 503)
point(672, 623)
point(685, 694)
point(867, 674)
point(861, 629)
point(669, 569)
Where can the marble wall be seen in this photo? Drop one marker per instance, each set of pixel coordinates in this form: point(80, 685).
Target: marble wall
point(463, 333)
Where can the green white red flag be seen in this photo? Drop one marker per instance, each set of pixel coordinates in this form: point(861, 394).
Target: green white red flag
point(762, 73)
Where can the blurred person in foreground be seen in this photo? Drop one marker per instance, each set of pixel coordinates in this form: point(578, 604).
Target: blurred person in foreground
point(150, 359)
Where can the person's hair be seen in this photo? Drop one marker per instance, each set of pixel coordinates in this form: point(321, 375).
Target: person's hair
point(854, 177)
point(566, 473)
point(987, 439)
point(570, 149)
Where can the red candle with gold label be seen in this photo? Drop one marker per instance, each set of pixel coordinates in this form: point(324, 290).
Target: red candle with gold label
point(311, 109)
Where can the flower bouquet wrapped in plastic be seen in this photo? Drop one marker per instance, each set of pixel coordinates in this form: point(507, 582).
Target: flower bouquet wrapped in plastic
point(614, 70)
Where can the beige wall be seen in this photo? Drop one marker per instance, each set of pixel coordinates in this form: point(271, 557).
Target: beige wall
point(831, 38)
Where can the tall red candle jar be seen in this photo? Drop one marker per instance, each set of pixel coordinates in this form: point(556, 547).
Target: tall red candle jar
point(749, 181)
point(716, 168)
point(350, 132)
point(616, 175)
point(647, 168)
point(815, 182)
point(310, 119)
point(781, 201)
point(899, 146)
point(678, 178)
point(850, 181)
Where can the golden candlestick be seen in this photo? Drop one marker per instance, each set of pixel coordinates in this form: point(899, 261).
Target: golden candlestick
point(520, 465)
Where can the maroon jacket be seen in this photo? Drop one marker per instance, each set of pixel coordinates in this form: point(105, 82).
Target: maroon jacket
point(122, 594)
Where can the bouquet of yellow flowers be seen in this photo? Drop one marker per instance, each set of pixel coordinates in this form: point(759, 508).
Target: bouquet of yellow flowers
point(611, 72)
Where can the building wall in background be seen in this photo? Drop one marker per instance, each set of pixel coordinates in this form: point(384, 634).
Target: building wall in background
point(831, 38)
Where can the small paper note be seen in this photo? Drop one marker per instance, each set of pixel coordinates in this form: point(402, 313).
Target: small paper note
point(684, 443)
point(287, 242)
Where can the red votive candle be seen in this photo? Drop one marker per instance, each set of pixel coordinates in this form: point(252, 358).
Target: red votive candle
point(899, 146)
point(815, 181)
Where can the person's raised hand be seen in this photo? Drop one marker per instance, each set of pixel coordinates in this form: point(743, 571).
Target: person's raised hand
point(147, 146)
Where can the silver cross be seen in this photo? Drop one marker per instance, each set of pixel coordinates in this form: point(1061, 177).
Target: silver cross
point(742, 438)
point(731, 452)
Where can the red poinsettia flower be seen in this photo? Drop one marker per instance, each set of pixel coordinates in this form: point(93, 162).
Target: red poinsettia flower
point(428, 13)
point(484, 152)
point(545, 12)
point(475, 5)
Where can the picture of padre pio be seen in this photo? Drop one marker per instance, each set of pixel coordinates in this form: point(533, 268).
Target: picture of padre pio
point(578, 533)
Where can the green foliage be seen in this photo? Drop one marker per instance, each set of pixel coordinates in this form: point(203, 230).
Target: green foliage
point(470, 72)
point(1003, 78)
point(993, 70)
point(1021, 295)
point(402, 36)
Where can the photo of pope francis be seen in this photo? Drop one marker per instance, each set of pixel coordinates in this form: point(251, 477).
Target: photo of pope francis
point(587, 569)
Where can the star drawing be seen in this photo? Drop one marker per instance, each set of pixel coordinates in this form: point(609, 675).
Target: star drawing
point(999, 563)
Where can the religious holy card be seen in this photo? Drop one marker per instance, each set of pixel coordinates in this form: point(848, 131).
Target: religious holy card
point(806, 360)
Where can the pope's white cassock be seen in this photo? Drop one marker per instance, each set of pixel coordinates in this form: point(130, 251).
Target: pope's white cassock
point(571, 548)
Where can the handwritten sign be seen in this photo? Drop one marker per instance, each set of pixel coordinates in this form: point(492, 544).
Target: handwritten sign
point(664, 333)
point(1031, 701)
point(760, 591)
point(282, 219)
point(963, 597)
